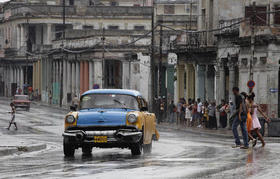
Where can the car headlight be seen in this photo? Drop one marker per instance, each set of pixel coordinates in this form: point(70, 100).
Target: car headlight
point(132, 118)
point(70, 119)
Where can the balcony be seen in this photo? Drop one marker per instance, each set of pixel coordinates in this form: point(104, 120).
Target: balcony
point(20, 10)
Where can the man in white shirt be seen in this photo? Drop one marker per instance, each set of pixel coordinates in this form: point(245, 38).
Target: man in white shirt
point(199, 111)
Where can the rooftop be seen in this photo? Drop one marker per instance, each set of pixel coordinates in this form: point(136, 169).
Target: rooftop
point(113, 91)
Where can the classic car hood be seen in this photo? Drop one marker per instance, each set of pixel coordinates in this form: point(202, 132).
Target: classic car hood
point(102, 117)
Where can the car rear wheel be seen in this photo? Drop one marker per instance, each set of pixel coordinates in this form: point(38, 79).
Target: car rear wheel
point(68, 149)
point(147, 148)
point(86, 150)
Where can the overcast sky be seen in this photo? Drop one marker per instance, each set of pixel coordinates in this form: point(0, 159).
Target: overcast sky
point(3, 0)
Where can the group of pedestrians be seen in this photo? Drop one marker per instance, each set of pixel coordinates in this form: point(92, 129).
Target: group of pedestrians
point(242, 111)
point(195, 113)
point(245, 115)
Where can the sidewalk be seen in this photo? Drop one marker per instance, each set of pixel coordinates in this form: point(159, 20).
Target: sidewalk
point(220, 133)
point(12, 145)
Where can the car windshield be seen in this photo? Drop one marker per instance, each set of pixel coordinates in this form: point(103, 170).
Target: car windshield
point(21, 98)
point(109, 101)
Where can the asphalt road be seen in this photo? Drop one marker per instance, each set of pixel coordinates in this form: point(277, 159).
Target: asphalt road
point(176, 155)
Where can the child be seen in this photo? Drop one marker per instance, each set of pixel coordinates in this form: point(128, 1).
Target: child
point(13, 115)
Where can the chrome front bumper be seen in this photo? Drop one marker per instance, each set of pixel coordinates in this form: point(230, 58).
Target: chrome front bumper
point(124, 136)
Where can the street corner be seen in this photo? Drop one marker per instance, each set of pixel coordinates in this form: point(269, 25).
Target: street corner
point(12, 145)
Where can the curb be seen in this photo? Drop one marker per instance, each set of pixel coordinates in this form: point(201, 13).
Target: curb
point(22, 149)
point(267, 139)
point(50, 106)
point(196, 132)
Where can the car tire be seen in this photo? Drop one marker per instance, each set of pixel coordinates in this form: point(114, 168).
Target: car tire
point(86, 150)
point(147, 148)
point(136, 149)
point(68, 149)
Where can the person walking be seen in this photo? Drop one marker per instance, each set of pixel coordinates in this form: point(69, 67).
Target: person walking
point(255, 125)
point(240, 119)
point(13, 116)
point(172, 110)
point(199, 112)
point(205, 115)
point(179, 108)
point(212, 116)
point(188, 115)
point(223, 114)
point(232, 110)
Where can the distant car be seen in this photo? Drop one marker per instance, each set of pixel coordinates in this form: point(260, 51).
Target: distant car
point(110, 118)
point(22, 101)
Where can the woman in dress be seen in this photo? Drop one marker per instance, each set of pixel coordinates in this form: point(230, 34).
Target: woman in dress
point(256, 126)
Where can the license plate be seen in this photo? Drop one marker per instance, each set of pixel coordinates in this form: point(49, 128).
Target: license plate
point(100, 139)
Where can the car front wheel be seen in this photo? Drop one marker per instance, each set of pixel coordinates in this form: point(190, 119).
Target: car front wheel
point(86, 150)
point(68, 149)
point(136, 149)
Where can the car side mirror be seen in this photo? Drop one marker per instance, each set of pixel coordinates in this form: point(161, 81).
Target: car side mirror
point(73, 108)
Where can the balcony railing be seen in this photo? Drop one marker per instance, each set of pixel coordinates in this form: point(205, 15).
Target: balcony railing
point(20, 10)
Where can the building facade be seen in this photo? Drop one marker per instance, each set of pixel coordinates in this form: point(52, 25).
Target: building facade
point(32, 47)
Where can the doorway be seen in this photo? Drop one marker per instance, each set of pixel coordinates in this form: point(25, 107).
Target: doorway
point(113, 70)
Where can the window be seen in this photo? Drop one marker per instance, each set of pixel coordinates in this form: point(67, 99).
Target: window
point(261, 18)
point(139, 27)
point(277, 15)
point(169, 9)
point(58, 31)
point(113, 27)
point(71, 2)
point(91, 3)
point(88, 27)
point(114, 3)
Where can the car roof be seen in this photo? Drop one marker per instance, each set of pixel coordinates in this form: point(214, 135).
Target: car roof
point(113, 91)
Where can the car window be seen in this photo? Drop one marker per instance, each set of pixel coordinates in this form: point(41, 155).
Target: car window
point(109, 101)
point(21, 98)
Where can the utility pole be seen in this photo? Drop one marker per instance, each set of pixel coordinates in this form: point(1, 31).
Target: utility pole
point(253, 19)
point(152, 61)
point(160, 67)
point(62, 53)
point(103, 57)
point(190, 27)
point(26, 54)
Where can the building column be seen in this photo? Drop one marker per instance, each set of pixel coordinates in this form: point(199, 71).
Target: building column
point(15, 74)
point(199, 82)
point(180, 81)
point(206, 80)
point(90, 63)
point(81, 77)
point(18, 36)
point(222, 83)
point(78, 78)
point(231, 68)
point(22, 36)
point(21, 78)
point(97, 77)
point(49, 34)
point(73, 73)
point(69, 78)
point(64, 99)
point(86, 76)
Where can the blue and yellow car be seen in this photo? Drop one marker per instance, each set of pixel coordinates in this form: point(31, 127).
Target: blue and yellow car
point(109, 118)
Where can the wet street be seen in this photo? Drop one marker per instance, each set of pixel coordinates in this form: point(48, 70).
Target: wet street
point(175, 155)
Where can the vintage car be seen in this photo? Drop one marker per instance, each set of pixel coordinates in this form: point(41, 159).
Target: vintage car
point(109, 118)
point(22, 101)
